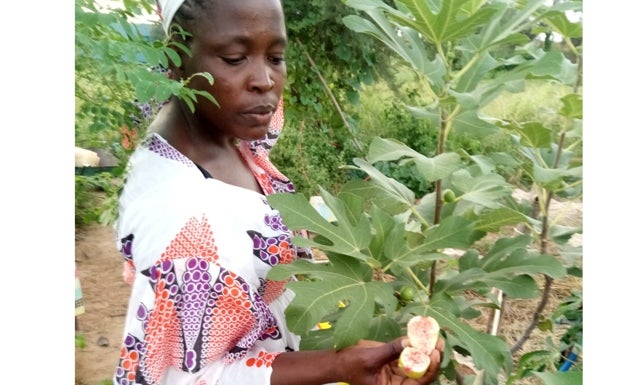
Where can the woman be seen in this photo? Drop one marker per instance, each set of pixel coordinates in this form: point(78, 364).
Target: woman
point(198, 234)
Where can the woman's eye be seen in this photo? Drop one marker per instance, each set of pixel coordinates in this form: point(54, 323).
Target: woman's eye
point(233, 61)
point(277, 60)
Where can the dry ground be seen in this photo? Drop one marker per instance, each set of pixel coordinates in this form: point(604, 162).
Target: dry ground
point(105, 295)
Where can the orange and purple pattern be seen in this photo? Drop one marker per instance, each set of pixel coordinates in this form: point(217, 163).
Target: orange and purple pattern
point(208, 314)
point(195, 305)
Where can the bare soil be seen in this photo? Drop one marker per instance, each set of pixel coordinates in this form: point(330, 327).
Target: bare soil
point(105, 296)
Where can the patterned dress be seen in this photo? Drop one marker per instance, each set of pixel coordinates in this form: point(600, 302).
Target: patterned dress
point(197, 252)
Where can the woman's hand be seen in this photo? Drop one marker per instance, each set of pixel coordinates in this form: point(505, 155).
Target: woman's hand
point(376, 363)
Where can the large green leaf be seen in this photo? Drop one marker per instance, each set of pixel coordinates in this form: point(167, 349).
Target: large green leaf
point(520, 286)
point(383, 225)
point(510, 256)
point(468, 80)
point(408, 44)
point(506, 266)
point(468, 122)
point(483, 190)
point(345, 237)
point(430, 114)
point(476, 279)
point(562, 234)
point(555, 65)
point(448, 23)
point(553, 178)
point(318, 340)
point(506, 23)
point(451, 232)
point(386, 199)
point(535, 134)
point(572, 106)
point(431, 169)
point(494, 220)
point(453, 283)
point(342, 280)
point(560, 23)
point(561, 378)
point(384, 328)
point(390, 185)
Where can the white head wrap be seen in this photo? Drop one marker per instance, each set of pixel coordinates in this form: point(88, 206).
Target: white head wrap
point(167, 9)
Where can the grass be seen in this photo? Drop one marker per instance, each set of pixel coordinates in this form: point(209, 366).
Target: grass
point(539, 101)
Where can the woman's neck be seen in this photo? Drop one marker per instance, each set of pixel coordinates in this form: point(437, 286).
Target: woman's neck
point(216, 154)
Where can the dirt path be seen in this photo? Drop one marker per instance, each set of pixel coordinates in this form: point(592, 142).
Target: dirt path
point(105, 295)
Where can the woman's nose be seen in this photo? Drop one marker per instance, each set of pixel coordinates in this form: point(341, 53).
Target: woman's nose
point(261, 78)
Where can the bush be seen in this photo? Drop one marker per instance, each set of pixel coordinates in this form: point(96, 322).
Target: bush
point(310, 157)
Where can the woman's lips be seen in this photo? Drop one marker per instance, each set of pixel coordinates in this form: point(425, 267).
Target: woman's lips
point(260, 115)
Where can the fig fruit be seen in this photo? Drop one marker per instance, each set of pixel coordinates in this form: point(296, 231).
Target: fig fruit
point(413, 362)
point(448, 196)
point(422, 332)
point(407, 293)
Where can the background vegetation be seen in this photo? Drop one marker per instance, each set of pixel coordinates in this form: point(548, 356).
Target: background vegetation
point(415, 142)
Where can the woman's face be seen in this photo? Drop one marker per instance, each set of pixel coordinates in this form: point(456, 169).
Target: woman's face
point(242, 44)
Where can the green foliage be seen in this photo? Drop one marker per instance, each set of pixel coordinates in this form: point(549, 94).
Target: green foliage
point(568, 313)
point(80, 341)
point(119, 82)
point(465, 54)
point(118, 66)
point(383, 114)
point(310, 158)
point(107, 48)
point(463, 117)
point(406, 175)
point(327, 65)
point(95, 197)
point(321, 67)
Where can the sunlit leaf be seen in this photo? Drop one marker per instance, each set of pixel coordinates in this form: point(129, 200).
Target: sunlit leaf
point(448, 23)
point(562, 25)
point(343, 279)
point(468, 122)
point(483, 190)
point(572, 106)
point(494, 220)
point(345, 237)
point(432, 169)
point(561, 378)
point(392, 186)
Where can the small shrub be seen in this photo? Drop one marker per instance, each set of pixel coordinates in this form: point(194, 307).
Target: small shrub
point(95, 198)
point(311, 156)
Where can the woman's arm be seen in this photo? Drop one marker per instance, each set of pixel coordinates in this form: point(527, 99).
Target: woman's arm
point(367, 363)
